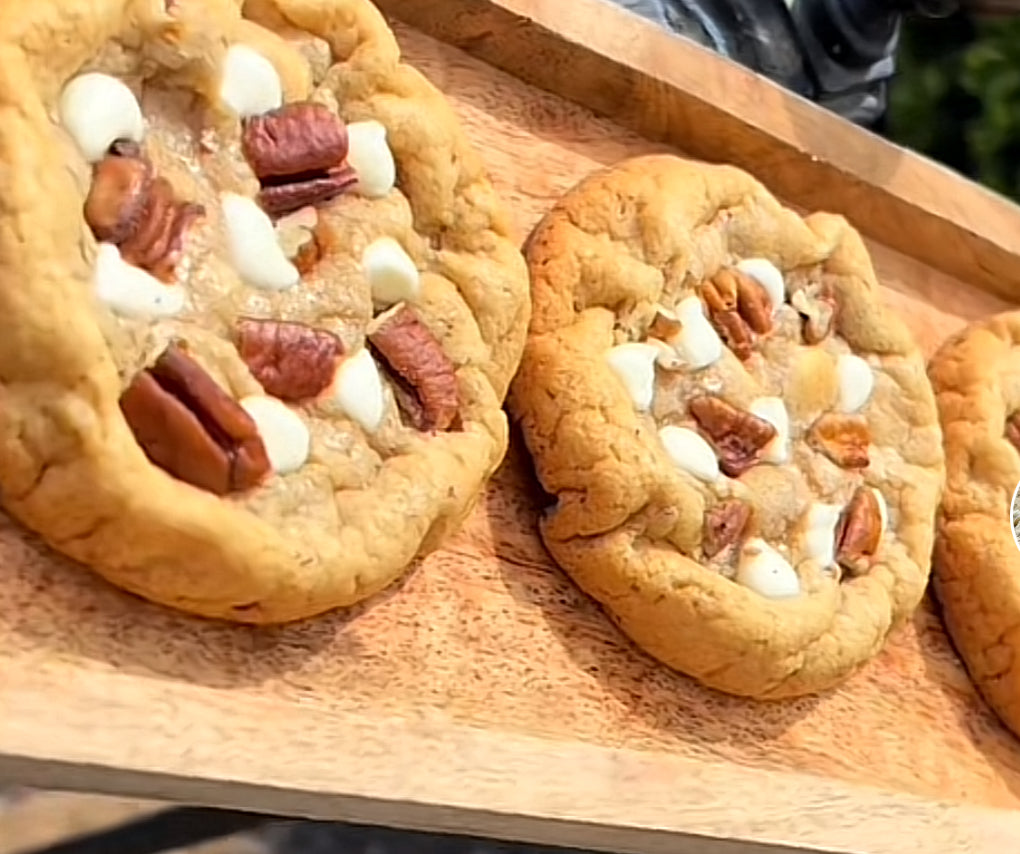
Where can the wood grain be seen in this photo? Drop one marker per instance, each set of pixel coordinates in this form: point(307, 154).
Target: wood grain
point(673, 90)
point(485, 694)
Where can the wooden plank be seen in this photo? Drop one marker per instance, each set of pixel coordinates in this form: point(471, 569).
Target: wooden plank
point(670, 89)
point(525, 788)
point(486, 694)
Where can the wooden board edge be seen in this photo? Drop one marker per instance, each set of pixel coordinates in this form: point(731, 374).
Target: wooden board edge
point(672, 90)
point(473, 781)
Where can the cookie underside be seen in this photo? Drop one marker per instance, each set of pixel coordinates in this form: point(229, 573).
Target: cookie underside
point(364, 505)
point(976, 563)
point(620, 253)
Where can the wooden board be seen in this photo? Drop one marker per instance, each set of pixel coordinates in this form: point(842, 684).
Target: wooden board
point(485, 694)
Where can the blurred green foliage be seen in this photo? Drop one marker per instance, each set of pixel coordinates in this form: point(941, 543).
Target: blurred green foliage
point(957, 98)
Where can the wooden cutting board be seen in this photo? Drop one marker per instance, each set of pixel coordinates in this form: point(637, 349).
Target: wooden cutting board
point(485, 694)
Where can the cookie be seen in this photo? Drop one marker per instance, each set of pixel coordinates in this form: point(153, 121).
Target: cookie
point(976, 564)
point(261, 302)
point(740, 440)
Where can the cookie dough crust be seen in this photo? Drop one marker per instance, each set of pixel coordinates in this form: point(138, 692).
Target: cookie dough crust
point(976, 564)
point(625, 519)
point(337, 530)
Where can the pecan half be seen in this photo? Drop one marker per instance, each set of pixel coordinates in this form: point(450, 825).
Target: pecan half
point(859, 531)
point(424, 378)
point(296, 139)
point(738, 436)
point(843, 439)
point(1013, 430)
point(136, 210)
point(297, 152)
point(191, 428)
point(725, 525)
point(284, 198)
point(738, 307)
point(816, 304)
point(291, 361)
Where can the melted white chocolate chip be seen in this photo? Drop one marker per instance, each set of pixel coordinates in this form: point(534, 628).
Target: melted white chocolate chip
point(690, 452)
point(773, 410)
point(391, 273)
point(358, 390)
point(766, 572)
point(250, 84)
point(96, 110)
point(254, 245)
point(768, 275)
point(820, 533)
point(130, 291)
point(697, 342)
point(856, 382)
point(634, 365)
point(370, 156)
point(284, 434)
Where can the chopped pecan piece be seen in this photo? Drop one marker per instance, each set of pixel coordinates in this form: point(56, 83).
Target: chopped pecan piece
point(725, 525)
point(859, 531)
point(191, 428)
point(136, 210)
point(280, 199)
point(738, 436)
point(665, 325)
point(816, 305)
point(843, 439)
point(1013, 430)
point(425, 382)
point(291, 361)
point(738, 307)
point(297, 152)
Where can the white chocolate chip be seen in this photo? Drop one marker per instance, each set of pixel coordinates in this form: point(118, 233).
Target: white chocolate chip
point(250, 85)
point(130, 291)
point(284, 434)
point(391, 272)
point(773, 410)
point(96, 110)
point(634, 365)
point(883, 511)
point(370, 156)
point(697, 342)
point(358, 391)
point(690, 452)
point(856, 382)
point(766, 274)
point(254, 245)
point(820, 533)
point(766, 572)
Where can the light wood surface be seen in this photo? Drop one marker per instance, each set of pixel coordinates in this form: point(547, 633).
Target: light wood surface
point(485, 694)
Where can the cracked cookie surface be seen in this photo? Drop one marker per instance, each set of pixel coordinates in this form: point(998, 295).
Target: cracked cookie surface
point(265, 304)
point(976, 563)
point(741, 442)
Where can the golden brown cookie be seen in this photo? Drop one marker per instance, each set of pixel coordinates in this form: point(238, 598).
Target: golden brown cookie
point(976, 564)
point(261, 302)
point(741, 441)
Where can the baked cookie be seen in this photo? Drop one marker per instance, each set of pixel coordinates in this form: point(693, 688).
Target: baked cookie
point(741, 442)
point(976, 563)
point(261, 303)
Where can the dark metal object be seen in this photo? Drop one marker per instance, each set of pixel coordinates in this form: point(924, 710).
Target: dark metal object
point(839, 53)
point(178, 827)
point(164, 831)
